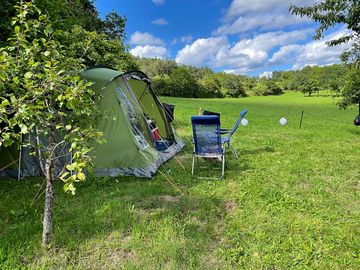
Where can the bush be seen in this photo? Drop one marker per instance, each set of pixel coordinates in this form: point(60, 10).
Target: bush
point(267, 87)
point(162, 85)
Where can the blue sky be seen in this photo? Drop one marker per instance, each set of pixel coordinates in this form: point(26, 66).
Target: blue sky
point(252, 37)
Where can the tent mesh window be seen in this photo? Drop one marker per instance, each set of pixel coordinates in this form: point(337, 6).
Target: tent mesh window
point(134, 122)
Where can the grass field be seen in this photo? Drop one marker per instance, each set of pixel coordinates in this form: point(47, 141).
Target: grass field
point(292, 201)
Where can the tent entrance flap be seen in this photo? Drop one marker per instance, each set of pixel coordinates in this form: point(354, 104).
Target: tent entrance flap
point(151, 106)
point(133, 120)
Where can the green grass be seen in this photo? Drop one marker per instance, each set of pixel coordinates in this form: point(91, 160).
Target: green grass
point(290, 202)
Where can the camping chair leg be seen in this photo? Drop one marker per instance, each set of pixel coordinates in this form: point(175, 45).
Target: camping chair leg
point(193, 164)
point(233, 151)
point(223, 166)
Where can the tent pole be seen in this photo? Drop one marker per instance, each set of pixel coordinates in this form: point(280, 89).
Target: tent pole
point(20, 157)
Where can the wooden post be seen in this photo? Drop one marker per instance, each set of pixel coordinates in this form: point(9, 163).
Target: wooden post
point(301, 119)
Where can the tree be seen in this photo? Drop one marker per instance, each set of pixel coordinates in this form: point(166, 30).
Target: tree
point(114, 26)
point(154, 67)
point(211, 86)
point(66, 13)
point(232, 85)
point(163, 85)
point(42, 95)
point(266, 87)
point(308, 81)
point(63, 15)
point(100, 49)
point(7, 11)
point(183, 83)
point(332, 78)
point(351, 90)
point(330, 13)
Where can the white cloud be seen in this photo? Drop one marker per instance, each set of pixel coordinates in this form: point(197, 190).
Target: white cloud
point(160, 21)
point(312, 53)
point(238, 71)
point(240, 7)
point(247, 55)
point(139, 38)
point(186, 39)
point(266, 74)
point(284, 54)
point(264, 22)
point(245, 15)
point(201, 51)
point(158, 2)
point(267, 49)
point(149, 51)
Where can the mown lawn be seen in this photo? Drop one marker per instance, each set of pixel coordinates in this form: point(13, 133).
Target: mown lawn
point(292, 201)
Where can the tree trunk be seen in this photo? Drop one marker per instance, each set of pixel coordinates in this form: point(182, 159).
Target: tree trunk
point(50, 192)
point(48, 210)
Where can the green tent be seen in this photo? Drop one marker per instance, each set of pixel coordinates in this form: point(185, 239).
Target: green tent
point(139, 135)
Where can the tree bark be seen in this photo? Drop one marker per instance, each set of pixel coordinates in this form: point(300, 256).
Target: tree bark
point(50, 192)
point(48, 210)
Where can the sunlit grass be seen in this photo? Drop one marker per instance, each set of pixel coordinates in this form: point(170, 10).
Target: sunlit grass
point(290, 202)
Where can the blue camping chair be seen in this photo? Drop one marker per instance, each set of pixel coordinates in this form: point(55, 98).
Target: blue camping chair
point(230, 132)
point(207, 139)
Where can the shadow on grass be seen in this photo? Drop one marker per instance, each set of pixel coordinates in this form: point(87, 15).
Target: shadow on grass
point(355, 132)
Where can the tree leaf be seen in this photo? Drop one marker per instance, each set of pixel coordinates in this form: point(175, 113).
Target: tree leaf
point(81, 176)
point(24, 129)
point(28, 75)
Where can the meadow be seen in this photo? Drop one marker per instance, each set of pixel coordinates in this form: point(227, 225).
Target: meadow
point(291, 201)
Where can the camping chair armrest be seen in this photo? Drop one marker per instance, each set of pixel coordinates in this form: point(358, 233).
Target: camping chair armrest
point(225, 130)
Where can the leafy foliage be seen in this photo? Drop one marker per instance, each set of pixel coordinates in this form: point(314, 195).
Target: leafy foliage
point(63, 15)
point(232, 85)
point(313, 79)
point(99, 49)
point(330, 13)
point(351, 90)
point(114, 26)
point(200, 82)
point(7, 11)
point(308, 81)
point(78, 26)
point(42, 94)
point(156, 67)
point(66, 13)
point(267, 87)
point(180, 83)
point(211, 86)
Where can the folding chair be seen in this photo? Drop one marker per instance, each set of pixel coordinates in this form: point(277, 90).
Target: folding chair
point(230, 132)
point(207, 139)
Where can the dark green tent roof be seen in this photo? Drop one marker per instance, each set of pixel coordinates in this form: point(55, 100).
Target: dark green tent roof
point(101, 76)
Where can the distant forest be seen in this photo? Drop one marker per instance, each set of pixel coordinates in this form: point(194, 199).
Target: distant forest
point(172, 79)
